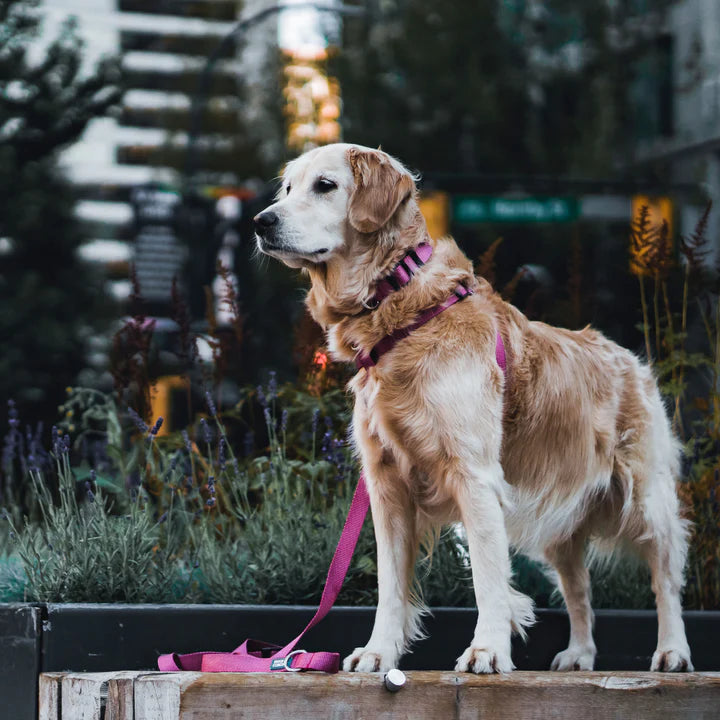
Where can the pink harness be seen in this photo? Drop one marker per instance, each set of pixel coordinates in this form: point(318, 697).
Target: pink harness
point(259, 656)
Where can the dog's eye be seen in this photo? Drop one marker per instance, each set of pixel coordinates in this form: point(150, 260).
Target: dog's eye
point(322, 185)
point(287, 190)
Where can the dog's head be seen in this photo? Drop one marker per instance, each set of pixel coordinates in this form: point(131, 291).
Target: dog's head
point(333, 200)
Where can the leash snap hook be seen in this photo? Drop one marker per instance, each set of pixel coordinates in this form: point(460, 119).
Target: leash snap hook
point(287, 659)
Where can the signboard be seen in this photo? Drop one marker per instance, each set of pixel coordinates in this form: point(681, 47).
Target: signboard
point(159, 254)
point(474, 209)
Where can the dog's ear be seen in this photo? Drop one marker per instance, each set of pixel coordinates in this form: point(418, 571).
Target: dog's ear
point(379, 189)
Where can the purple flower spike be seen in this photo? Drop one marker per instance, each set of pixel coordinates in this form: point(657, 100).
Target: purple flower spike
point(139, 422)
point(163, 518)
point(210, 502)
point(88, 490)
point(13, 420)
point(210, 403)
point(272, 385)
point(206, 430)
point(156, 427)
point(284, 420)
point(315, 417)
point(221, 454)
point(261, 397)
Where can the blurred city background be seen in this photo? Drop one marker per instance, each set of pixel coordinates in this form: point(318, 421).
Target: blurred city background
point(147, 133)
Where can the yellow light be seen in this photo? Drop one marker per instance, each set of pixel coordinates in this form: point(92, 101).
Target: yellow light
point(644, 258)
point(435, 209)
point(161, 400)
point(312, 101)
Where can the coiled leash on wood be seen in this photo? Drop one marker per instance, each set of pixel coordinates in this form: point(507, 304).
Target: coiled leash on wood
point(260, 656)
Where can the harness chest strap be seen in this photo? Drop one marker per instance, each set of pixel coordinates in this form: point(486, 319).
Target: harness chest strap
point(367, 360)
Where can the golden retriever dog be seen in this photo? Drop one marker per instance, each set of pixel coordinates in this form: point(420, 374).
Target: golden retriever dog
point(570, 446)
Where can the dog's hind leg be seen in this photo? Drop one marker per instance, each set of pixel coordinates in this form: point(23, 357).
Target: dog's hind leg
point(664, 546)
point(501, 609)
point(568, 560)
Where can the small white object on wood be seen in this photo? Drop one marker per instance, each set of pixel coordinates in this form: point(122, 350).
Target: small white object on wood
point(394, 680)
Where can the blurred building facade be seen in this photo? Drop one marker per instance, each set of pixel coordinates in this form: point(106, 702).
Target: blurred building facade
point(163, 45)
point(680, 100)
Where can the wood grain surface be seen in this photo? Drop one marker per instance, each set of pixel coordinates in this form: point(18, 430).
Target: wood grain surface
point(302, 696)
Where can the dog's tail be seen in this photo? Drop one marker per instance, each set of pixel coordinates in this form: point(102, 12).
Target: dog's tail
point(522, 615)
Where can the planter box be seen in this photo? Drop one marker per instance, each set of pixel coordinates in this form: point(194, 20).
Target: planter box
point(20, 635)
point(106, 638)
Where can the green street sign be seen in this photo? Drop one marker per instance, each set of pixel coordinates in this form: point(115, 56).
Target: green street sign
point(474, 209)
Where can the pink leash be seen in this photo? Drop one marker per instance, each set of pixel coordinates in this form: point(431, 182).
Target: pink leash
point(259, 656)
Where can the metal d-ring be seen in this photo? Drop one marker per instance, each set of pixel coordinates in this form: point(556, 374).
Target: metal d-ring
point(287, 657)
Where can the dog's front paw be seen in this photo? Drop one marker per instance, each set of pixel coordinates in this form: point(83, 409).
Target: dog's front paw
point(484, 660)
point(672, 660)
point(574, 658)
point(368, 660)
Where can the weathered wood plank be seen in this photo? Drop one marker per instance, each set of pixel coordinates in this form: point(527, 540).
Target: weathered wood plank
point(84, 695)
point(516, 696)
point(593, 696)
point(120, 704)
point(49, 696)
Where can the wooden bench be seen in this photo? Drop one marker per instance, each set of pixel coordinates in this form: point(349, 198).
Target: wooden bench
point(301, 696)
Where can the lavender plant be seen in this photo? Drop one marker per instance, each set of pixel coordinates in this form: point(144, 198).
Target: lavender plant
point(187, 520)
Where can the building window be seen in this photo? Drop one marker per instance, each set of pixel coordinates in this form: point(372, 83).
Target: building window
point(651, 91)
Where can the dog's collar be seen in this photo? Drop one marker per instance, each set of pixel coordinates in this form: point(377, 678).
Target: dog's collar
point(401, 274)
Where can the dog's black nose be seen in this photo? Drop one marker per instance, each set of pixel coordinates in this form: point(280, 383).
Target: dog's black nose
point(264, 221)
